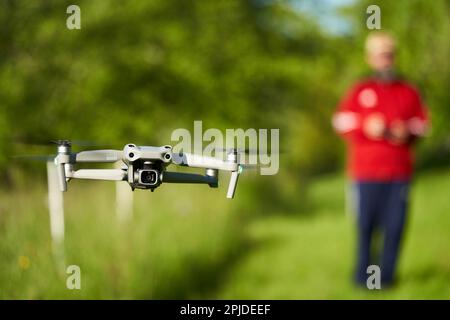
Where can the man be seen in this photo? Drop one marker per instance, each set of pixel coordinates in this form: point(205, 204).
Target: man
point(380, 118)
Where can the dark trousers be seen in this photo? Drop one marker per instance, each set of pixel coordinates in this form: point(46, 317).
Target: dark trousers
point(381, 206)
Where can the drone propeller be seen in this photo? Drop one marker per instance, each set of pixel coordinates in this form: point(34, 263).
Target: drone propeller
point(45, 158)
point(79, 143)
point(59, 142)
point(247, 151)
point(63, 142)
point(248, 166)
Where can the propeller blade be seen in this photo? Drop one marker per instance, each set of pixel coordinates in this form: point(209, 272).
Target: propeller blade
point(88, 143)
point(34, 157)
point(50, 142)
point(250, 166)
point(249, 151)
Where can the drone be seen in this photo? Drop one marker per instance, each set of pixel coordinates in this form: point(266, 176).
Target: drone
point(145, 167)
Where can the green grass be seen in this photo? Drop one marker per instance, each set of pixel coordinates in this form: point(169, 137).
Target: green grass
point(312, 258)
point(174, 247)
point(190, 242)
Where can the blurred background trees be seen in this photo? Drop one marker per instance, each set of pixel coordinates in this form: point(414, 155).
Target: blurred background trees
point(139, 69)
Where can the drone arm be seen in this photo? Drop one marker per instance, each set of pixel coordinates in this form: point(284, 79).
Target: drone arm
point(181, 177)
point(192, 160)
point(98, 174)
point(197, 161)
point(105, 156)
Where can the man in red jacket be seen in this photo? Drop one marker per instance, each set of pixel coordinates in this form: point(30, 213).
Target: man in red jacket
point(380, 118)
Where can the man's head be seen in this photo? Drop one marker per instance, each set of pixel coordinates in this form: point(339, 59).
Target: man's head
point(380, 51)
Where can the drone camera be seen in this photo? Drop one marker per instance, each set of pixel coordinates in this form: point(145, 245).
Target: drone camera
point(148, 177)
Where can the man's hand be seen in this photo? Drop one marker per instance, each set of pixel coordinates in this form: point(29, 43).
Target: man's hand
point(398, 132)
point(374, 126)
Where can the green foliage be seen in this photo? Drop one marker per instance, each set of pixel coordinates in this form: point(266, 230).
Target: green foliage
point(139, 69)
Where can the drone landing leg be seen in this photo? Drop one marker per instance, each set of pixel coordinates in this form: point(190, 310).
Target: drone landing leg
point(124, 200)
point(233, 184)
point(56, 209)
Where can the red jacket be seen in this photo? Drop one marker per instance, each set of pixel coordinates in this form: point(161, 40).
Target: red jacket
point(379, 160)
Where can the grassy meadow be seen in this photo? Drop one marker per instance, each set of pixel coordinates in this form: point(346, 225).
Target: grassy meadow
point(191, 242)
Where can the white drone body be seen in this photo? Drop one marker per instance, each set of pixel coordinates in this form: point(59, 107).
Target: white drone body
point(144, 167)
